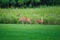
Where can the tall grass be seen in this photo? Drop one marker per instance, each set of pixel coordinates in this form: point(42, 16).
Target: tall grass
point(50, 13)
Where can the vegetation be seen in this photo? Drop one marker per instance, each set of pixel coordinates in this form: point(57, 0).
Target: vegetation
point(29, 12)
point(27, 3)
point(29, 32)
point(51, 14)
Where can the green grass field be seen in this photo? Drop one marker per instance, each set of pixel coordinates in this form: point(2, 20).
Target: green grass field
point(29, 32)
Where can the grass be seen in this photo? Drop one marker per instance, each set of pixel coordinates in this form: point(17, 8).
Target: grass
point(42, 11)
point(29, 32)
point(49, 13)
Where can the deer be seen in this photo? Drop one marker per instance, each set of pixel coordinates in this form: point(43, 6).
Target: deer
point(21, 19)
point(27, 20)
point(24, 19)
point(37, 21)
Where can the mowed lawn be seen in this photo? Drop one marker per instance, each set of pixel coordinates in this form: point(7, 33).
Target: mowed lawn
point(29, 32)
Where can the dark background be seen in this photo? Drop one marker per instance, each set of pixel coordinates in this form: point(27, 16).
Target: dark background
point(27, 3)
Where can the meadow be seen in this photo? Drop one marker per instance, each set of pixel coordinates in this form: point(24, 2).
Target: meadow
point(29, 32)
point(51, 14)
point(11, 29)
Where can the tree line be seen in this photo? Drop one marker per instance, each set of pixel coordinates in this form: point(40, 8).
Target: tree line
point(28, 3)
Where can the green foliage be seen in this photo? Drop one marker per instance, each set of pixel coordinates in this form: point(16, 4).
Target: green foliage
point(30, 6)
point(51, 14)
point(21, 1)
point(37, 0)
point(4, 1)
point(26, 3)
point(12, 2)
